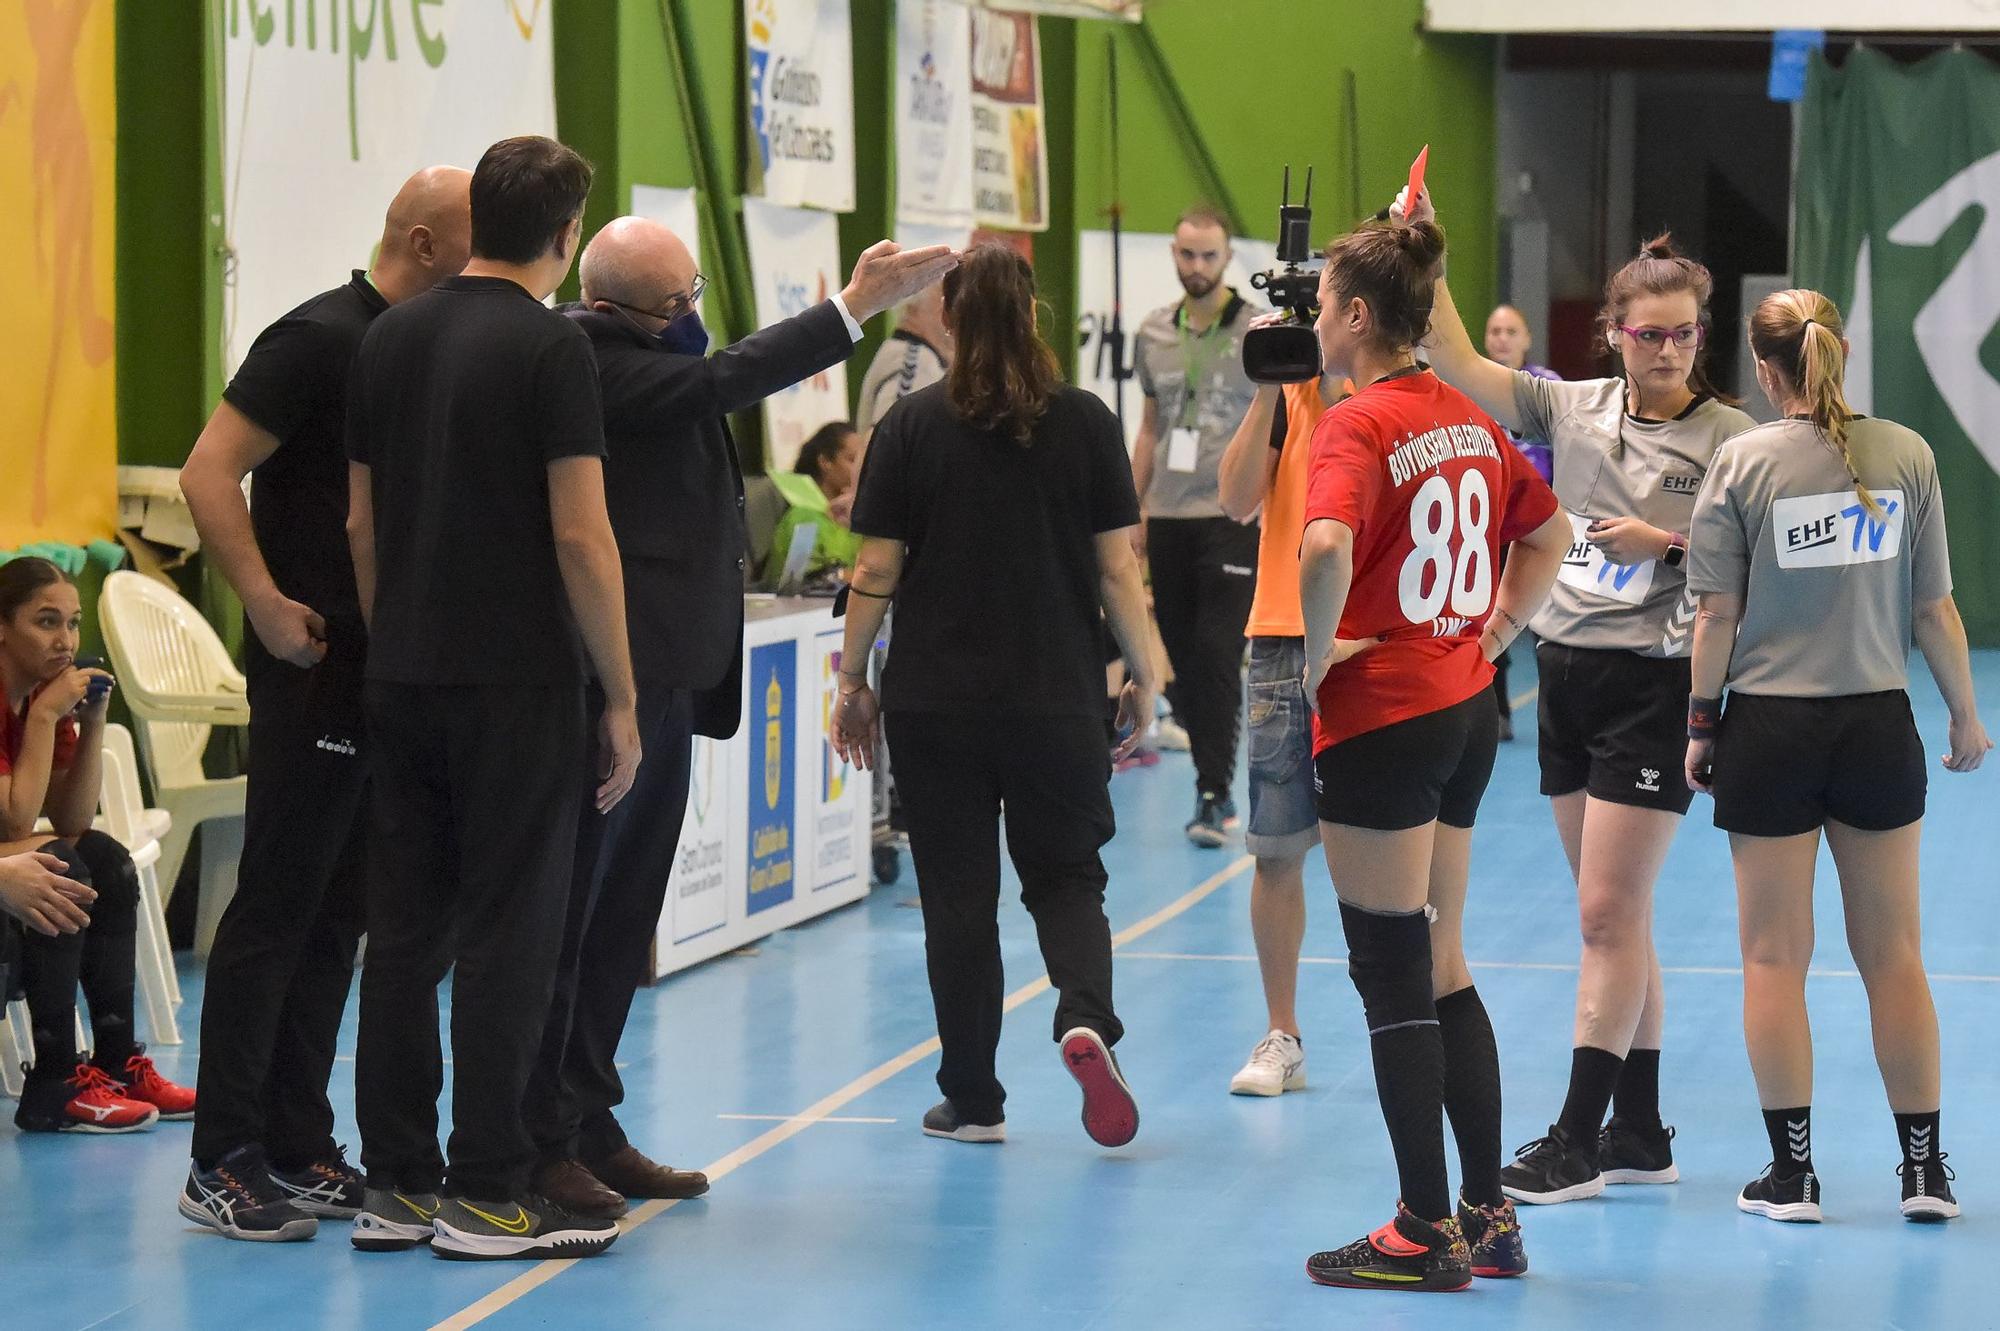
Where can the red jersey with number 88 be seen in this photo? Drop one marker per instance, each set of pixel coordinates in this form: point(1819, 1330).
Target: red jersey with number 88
point(1432, 489)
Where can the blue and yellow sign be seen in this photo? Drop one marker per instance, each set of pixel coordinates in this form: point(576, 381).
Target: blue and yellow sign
point(774, 675)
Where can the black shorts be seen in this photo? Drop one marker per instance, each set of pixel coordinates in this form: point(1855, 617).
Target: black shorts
point(1785, 766)
point(1614, 723)
point(1433, 766)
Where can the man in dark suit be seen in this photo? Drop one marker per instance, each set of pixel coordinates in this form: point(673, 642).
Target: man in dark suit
point(674, 488)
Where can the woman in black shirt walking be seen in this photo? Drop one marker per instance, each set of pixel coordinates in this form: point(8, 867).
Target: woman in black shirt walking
point(996, 509)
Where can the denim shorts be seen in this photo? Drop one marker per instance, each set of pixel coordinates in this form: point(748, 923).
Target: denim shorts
point(1284, 821)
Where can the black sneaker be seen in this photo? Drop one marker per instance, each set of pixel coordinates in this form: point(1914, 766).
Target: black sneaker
point(238, 1200)
point(1927, 1190)
point(1206, 827)
point(394, 1221)
point(525, 1227)
point(1407, 1253)
point(1793, 1197)
point(943, 1120)
point(329, 1187)
point(1628, 1153)
point(1227, 808)
point(1493, 1233)
point(1552, 1169)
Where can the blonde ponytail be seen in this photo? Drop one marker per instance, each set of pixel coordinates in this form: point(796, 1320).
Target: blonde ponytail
point(1797, 333)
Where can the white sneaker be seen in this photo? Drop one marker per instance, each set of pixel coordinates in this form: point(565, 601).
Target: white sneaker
point(1277, 1065)
point(1169, 735)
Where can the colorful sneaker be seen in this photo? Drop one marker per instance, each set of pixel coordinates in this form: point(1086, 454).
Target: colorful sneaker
point(531, 1228)
point(94, 1103)
point(329, 1187)
point(141, 1081)
point(1794, 1198)
point(1493, 1233)
point(1230, 821)
point(1927, 1190)
point(1628, 1153)
point(943, 1120)
point(1407, 1253)
point(1552, 1169)
point(1277, 1065)
point(1205, 829)
point(392, 1221)
point(1110, 1115)
point(238, 1200)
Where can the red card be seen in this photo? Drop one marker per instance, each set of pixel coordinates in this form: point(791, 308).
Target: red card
point(1417, 178)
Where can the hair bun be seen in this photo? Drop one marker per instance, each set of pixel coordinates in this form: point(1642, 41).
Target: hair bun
point(1660, 247)
point(1423, 242)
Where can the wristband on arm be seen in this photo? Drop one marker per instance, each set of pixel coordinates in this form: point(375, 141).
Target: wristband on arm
point(1704, 715)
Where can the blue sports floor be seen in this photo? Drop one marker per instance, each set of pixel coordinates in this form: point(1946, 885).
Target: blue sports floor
point(842, 1215)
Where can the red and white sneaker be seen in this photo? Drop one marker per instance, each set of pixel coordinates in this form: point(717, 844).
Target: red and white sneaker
point(1110, 1115)
point(143, 1083)
point(100, 1105)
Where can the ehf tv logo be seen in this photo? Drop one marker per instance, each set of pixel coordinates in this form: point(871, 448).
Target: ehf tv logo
point(1837, 530)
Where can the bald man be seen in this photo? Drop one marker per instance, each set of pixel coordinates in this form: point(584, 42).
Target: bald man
point(674, 486)
point(265, 1162)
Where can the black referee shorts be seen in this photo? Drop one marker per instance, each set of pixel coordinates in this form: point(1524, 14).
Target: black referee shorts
point(1787, 766)
point(1614, 723)
point(1432, 767)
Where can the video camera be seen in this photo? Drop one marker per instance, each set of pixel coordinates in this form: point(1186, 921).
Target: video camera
point(1288, 352)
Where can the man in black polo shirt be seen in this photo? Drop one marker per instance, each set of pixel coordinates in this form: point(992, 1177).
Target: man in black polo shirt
point(675, 492)
point(483, 554)
point(265, 1162)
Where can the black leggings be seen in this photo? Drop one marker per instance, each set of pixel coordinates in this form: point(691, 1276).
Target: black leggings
point(99, 957)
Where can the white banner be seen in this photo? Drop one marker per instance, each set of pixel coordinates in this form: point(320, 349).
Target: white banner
point(330, 108)
point(801, 80)
point(933, 93)
point(1010, 160)
point(795, 264)
point(677, 211)
point(1707, 15)
point(1150, 283)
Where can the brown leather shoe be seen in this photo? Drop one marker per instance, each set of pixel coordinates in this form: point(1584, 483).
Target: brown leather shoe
point(629, 1171)
point(571, 1186)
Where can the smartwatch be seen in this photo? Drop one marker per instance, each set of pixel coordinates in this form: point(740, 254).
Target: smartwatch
point(1677, 550)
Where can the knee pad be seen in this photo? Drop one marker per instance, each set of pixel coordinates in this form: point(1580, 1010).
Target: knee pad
point(74, 865)
point(1389, 960)
point(115, 878)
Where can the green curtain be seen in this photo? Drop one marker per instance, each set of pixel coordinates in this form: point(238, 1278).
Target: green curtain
point(1899, 222)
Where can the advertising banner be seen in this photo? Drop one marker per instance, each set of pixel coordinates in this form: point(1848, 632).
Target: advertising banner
point(800, 71)
point(1010, 164)
point(771, 779)
point(794, 265)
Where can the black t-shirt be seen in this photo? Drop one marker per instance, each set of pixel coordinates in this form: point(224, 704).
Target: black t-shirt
point(998, 608)
point(293, 384)
point(461, 398)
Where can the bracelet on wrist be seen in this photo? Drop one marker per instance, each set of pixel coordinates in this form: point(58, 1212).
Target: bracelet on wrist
point(1704, 715)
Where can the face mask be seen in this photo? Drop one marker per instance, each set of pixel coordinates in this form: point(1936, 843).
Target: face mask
point(685, 336)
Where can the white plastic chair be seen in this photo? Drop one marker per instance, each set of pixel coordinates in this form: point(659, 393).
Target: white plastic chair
point(125, 818)
point(179, 682)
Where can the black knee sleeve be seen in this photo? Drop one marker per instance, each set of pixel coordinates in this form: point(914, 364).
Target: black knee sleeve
point(112, 873)
point(1389, 960)
point(74, 866)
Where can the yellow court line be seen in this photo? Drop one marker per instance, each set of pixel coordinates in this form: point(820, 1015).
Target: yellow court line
point(543, 1272)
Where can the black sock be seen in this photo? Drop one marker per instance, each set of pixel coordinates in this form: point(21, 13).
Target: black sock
point(1917, 1134)
point(1637, 1097)
point(1472, 1093)
point(1790, 1131)
point(1389, 961)
point(1593, 1074)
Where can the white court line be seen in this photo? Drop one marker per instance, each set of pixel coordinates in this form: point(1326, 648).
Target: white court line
point(542, 1272)
point(1816, 973)
point(787, 1118)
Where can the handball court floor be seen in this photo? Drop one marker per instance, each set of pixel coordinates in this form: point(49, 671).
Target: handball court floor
point(797, 1075)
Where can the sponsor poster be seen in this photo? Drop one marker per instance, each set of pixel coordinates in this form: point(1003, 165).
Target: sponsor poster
point(771, 778)
point(794, 265)
point(800, 70)
point(698, 888)
point(58, 159)
point(1010, 167)
point(330, 107)
point(838, 821)
point(1149, 284)
point(933, 95)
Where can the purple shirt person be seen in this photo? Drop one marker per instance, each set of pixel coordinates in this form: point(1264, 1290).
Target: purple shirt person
point(1508, 342)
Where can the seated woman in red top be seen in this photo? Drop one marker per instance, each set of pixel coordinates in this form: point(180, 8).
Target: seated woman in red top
point(51, 754)
point(1413, 491)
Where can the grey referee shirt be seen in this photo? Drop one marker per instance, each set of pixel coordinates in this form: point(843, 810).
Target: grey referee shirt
point(1828, 588)
point(1611, 464)
point(1197, 382)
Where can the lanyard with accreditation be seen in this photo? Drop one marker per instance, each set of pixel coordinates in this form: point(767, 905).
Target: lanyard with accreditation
point(1199, 353)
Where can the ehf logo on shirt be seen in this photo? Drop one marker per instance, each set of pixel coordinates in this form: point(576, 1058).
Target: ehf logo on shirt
point(1836, 530)
point(1586, 569)
point(1681, 485)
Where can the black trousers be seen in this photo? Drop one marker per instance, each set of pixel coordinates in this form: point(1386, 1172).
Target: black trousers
point(618, 885)
point(283, 961)
point(1204, 577)
point(1052, 777)
point(99, 957)
point(472, 800)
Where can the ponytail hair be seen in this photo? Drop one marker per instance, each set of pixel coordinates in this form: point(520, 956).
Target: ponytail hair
point(1393, 269)
point(1660, 269)
point(1003, 375)
point(1798, 334)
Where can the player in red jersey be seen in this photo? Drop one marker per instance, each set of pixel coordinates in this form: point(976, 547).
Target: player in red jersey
point(1413, 492)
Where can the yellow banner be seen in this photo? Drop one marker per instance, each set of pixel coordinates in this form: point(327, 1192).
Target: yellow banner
point(58, 157)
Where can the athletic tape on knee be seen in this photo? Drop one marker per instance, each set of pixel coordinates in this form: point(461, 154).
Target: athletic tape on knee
point(1389, 960)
